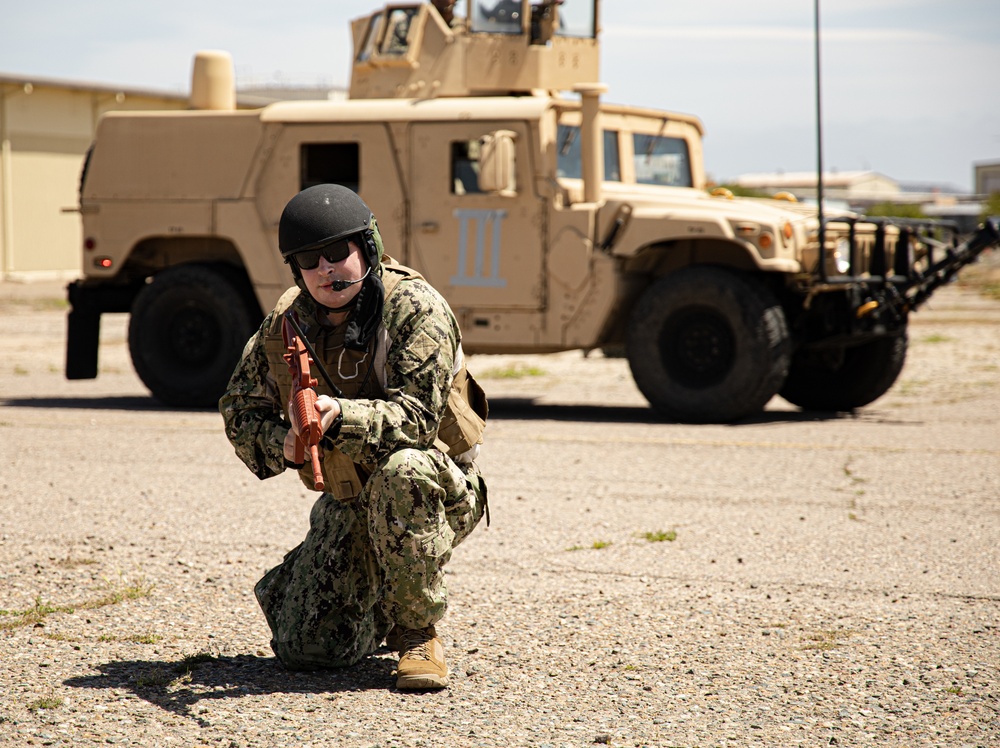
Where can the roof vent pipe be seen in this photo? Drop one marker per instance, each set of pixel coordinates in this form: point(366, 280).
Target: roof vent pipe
point(212, 81)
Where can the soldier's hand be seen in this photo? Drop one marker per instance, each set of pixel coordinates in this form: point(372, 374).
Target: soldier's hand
point(328, 409)
point(289, 446)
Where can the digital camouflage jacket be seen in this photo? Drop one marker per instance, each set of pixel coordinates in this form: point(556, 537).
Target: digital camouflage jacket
point(416, 355)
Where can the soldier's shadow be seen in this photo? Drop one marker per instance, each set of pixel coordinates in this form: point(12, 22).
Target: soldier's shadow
point(180, 687)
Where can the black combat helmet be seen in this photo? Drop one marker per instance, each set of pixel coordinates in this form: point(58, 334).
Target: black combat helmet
point(321, 215)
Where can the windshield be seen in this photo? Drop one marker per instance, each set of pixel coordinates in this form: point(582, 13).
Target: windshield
point(395, 42)
point(576, 17)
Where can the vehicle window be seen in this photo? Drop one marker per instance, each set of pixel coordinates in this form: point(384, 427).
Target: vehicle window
point(661, 160)
point(371, 39)
point(569, 162)
point(397, 31)
point(330, 163)
point(612, 165)
point(465, 167)
point(501, 17)
point(576, 17)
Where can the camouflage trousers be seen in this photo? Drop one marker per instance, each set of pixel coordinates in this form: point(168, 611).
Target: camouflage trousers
point(371, 562)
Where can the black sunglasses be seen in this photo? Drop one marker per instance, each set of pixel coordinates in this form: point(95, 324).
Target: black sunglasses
point(335, 251)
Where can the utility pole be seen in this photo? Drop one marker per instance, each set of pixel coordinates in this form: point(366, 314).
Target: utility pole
point(819, 145)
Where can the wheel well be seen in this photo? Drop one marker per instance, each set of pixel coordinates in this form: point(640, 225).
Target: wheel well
point(156, 254)
point(656, 261)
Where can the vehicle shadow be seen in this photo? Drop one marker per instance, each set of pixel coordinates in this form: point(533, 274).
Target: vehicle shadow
point(181, 686)
point(526, 409)
point(98, 402)
point(501, 408)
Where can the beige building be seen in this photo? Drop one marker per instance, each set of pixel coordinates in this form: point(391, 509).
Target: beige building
point(850, 186)
point(46, 127)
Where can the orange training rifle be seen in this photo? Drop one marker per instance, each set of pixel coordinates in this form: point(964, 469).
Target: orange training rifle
point(302, 404)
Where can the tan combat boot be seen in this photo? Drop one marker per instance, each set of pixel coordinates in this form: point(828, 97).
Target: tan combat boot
point(421, 660)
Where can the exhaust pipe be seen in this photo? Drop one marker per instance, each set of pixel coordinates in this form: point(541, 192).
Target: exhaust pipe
point(591, 140)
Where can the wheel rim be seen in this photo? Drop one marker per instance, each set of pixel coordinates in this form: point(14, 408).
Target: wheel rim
point(193, 336)
point(697, 347)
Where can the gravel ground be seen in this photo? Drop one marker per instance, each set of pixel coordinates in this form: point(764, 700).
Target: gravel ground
point(795, 579)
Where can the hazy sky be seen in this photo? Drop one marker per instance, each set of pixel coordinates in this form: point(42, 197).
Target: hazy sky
point(910, 87)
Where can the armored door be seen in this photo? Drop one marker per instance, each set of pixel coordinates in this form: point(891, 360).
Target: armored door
point(482, 251)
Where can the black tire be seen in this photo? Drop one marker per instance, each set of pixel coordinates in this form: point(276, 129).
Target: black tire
point(186, 333)
point(845, 378)
point(708, 345)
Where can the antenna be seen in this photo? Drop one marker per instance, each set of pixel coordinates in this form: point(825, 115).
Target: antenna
point(819, 150)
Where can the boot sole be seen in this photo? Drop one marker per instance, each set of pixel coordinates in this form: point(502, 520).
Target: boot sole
point(421, 682)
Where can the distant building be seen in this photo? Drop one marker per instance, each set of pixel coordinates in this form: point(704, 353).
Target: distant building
point(46, 127)
point(987, 177)
point(852, 187)
point(860, 190)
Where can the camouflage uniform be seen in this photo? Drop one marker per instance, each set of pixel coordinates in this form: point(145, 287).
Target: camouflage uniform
point(376, 559)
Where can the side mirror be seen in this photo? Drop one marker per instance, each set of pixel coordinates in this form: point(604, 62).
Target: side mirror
point(497, 162)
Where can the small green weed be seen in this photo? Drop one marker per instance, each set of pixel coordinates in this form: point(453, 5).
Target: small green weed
point(154, 678)
point(850, 473)
point(54, 303)
point(513, 371)
point(46, 702)
point(30, 616)
point(660, 536)
point(131, 638)
point(596, 545)
point(825, 640)
point(42, 610)
point(911, 386)
point(60, 637)
point(191, 662)
point(935, 339)
point(131, 591)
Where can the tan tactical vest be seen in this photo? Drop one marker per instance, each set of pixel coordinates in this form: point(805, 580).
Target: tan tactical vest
point(361, 374)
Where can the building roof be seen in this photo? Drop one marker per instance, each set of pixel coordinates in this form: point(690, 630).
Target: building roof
point(38, 81)
point(778, 180)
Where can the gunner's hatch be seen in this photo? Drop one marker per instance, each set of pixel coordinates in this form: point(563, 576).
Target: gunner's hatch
point(498, 47)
